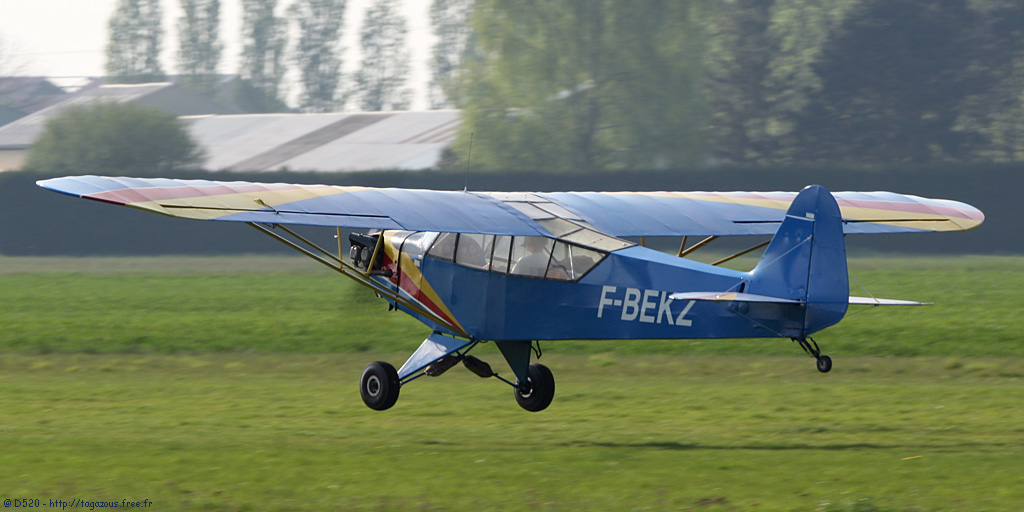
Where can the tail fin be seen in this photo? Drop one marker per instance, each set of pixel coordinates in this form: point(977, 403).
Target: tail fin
point(806, 260)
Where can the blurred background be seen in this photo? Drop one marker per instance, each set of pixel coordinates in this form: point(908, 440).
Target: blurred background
point(915, 96)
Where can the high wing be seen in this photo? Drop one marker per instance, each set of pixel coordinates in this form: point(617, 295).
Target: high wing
point(620, 214)
point(632, 214)
point(317, 205)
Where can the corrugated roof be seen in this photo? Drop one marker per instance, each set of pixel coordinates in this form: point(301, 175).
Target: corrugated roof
point(354, 141)
point(164, 95)
point(325, 142)
point(29, 94)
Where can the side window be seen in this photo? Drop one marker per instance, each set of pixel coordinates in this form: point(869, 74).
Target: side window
point(581, 260)
point(444, 247)
point(530, 255)
point(560, 265)
point(500, 255)
point(473, 250)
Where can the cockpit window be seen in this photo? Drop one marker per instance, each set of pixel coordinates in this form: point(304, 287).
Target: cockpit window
point(530, 255)
point(527, 256)
point(474, 250)
point(444, 247)
point(501, 254)
point(581, 260)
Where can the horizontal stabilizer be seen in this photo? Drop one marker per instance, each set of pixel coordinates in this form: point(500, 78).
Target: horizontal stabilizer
point(871, 301)
point(764, 299)
point(732, 297)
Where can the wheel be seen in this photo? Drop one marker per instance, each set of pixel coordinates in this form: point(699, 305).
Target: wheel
point(824, 364)
point(379, 386)
point(536, 395)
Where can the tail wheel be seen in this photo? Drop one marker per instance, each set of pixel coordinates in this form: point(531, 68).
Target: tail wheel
point(824, 364)
point(536, 393)
point(811, 347)
point(379, 386)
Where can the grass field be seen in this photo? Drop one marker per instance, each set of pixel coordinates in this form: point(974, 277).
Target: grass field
point(212, 384)
point(288, 432)
point(197, 305)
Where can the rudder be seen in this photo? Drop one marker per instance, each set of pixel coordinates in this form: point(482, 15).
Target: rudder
point(806, 260)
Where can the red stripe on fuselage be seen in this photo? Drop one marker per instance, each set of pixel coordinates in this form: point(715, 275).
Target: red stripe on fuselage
point(408, 286)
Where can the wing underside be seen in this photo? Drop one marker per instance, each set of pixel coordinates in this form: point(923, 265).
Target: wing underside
point(619, 214)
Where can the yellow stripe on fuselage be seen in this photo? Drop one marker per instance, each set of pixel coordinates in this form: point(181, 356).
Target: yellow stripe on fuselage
point(413, 274)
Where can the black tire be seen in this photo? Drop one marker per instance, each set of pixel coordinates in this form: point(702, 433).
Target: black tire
point(379, 386)
point(824, 364)
point(540, 390)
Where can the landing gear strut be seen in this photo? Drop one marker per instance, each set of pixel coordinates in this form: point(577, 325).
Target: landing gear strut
point(811, 347)
point(534, 385)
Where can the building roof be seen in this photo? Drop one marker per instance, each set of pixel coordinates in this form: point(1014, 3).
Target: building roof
point(325, 142)
point(354, 141)
point(9, 115)
point(166, 96)
point(29, 94)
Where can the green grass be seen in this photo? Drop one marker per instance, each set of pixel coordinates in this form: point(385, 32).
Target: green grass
point(231, 384)
point(197, 305)
point(288, 432)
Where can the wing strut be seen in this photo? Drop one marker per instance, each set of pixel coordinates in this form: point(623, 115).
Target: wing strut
point(339, 265)
point(698, 245)
point(741, 253)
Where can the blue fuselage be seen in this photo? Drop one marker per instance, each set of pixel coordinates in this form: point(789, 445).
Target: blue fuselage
point(625, 296)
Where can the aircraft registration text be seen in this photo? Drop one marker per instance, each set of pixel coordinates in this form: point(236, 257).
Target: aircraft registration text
point(647, 306)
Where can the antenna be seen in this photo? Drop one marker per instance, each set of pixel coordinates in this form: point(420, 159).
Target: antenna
point(469, 162)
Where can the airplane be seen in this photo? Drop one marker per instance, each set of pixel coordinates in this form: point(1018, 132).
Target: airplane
point(518, 268)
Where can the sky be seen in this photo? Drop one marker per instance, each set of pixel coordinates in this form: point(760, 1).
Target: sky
point(67, 38)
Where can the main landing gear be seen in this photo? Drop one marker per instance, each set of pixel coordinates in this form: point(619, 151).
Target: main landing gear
point(533, 388)
point(379, 386)
point(536, 393)
point(811, 347)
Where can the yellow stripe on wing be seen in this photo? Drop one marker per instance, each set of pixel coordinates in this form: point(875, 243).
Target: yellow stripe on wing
point(208, 207)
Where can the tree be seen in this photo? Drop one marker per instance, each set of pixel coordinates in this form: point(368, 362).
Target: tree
point(113, 138)
point(133, 52)
point(737, 72)
point(318, 52)
point(451, 22)
point(380, 82)
point(583, 85)
point(264, 37)
point(798, 32)
point(892, 79)
point(997, 113)
point(199, 44)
